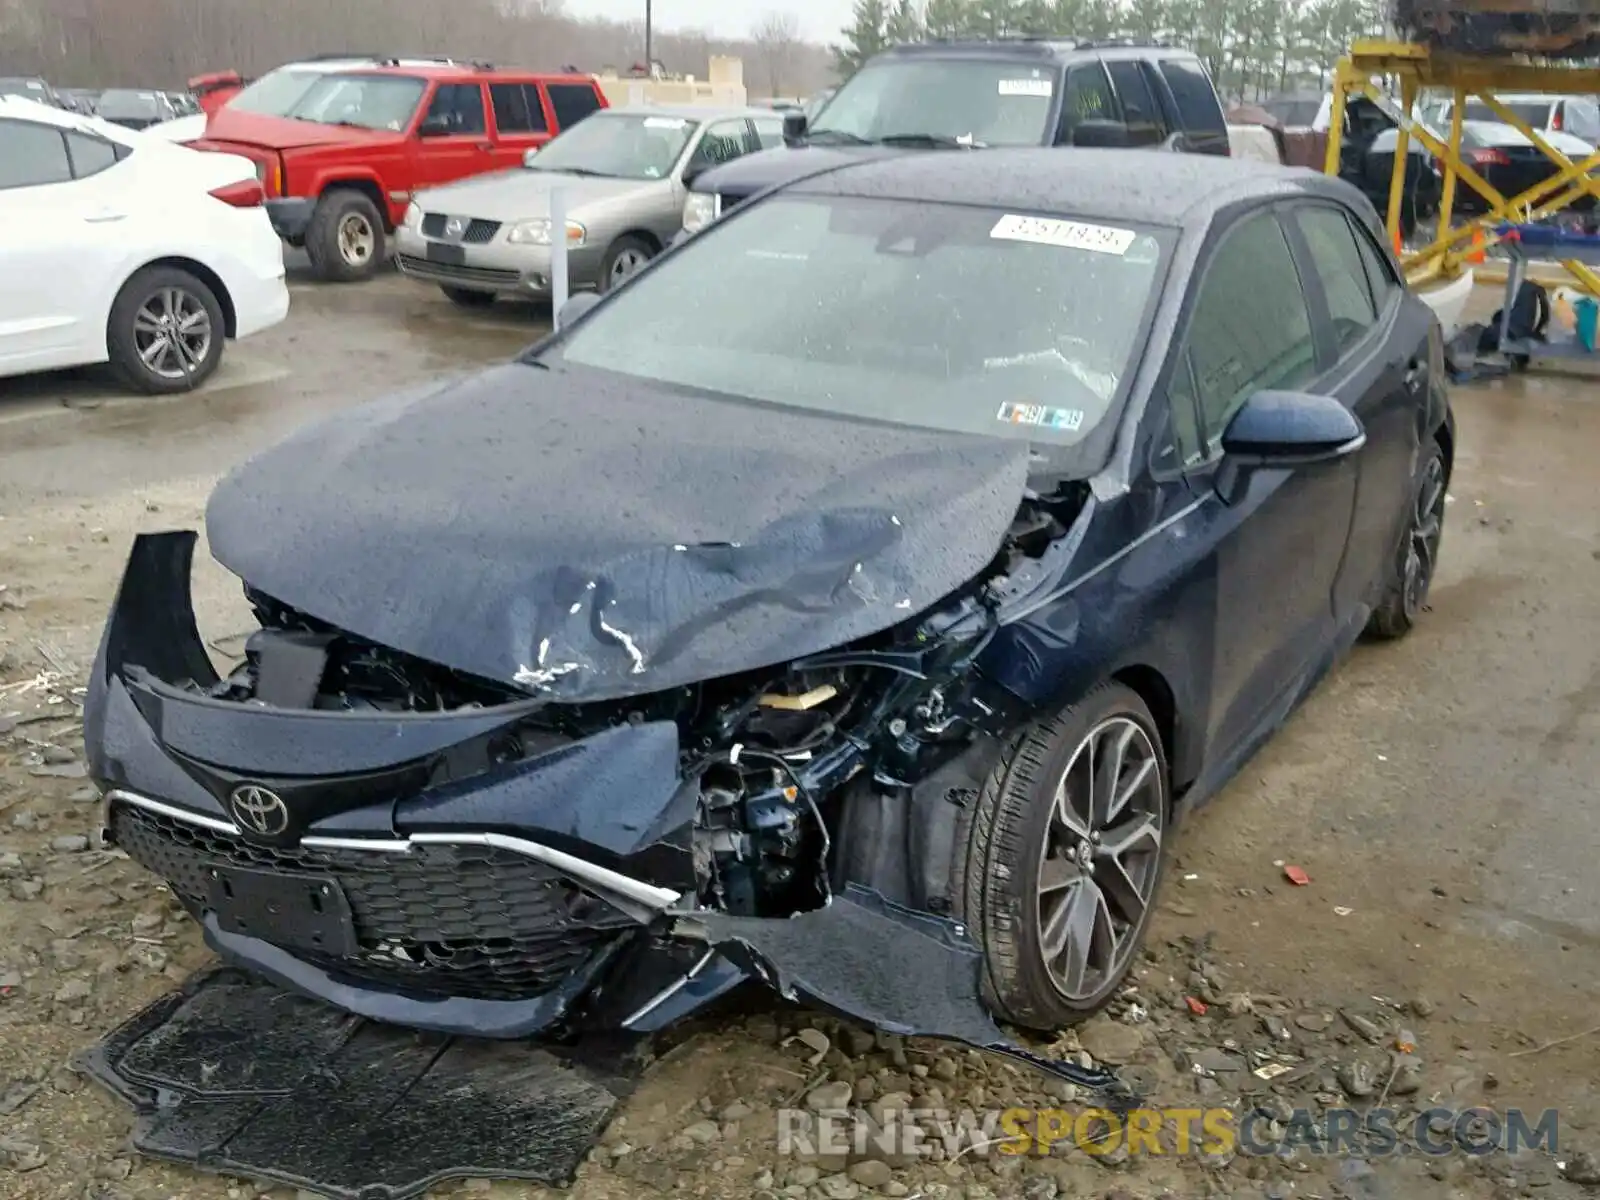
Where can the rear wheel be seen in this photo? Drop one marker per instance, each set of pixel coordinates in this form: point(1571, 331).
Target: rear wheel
point(1412, 576)
point(1060, 857)
point(166, 331)
point(345, 239)
point(466, 297)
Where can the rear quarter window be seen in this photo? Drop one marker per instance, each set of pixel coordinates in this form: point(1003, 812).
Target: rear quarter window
point(572, 102)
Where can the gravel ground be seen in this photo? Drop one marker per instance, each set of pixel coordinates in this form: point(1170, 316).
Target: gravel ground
point(1436, 792)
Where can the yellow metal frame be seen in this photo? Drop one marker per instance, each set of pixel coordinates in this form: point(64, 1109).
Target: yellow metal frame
point(1417, 67)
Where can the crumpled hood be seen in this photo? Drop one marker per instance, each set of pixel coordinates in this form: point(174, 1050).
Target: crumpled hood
point(754, 173)
point(587, 536)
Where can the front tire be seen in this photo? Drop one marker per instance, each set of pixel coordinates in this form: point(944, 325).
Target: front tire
point(165, 332)
point(466, 297)
point(1060, 857)
point(1407, 592)
point(345, 240)
point(626, 258)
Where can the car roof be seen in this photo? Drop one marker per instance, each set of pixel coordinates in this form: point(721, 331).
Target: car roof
point(1143, 186)
point(434, 68)
point(689, 112)
point(1027, 48)
point(31, 110)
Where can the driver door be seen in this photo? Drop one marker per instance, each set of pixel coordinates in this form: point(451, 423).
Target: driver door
point(452, 140)
point(1280, 543)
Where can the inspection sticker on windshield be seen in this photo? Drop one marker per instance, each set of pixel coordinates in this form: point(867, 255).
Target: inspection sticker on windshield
point(1042, 416)
point(1074, 235)
point(1026, 87)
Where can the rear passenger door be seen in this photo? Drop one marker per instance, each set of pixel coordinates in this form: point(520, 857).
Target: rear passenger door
point(571, 103)
point(1376, 337)
point(1141, 113)
point(1194, 99)
point(520, 123)
point(1085, 96)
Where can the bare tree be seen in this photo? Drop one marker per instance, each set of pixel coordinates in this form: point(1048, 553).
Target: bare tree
point(776, 37)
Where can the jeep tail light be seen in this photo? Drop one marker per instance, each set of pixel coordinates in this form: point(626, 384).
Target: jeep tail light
point(247, 193)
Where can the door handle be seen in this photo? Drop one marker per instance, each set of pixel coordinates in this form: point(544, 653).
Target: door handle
point(1416, 370)
point(101, 218)
point(485, 146)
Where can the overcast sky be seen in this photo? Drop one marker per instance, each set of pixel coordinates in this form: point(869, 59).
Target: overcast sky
point(820, 20)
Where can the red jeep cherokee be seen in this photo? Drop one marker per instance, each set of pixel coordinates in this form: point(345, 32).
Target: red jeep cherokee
point(341, 144)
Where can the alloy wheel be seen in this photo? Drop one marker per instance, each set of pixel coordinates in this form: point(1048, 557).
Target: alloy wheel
point(172, 333)
point(625, 264)
point(1422, 549)
point(357, 241)
point(1101, 857)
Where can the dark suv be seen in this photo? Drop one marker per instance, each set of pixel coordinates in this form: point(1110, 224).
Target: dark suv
point(960, 95)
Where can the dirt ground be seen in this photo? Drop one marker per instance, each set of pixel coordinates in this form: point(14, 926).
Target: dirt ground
point(1437, 792)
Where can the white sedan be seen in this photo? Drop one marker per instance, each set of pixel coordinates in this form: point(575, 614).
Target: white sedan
point(122, 249)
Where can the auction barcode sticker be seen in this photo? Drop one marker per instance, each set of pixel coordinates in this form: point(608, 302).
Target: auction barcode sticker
point(1074, 235)
point(1026, 87)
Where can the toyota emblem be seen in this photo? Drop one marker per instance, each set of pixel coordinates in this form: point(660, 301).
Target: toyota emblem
point(259, 810)
point(455, 227)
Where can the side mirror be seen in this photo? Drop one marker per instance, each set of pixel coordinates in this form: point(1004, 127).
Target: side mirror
point(529, 155)
point(1279, 430)
point(435, 126)
point(794, 125)
point(1101, 135)
point(575, 307)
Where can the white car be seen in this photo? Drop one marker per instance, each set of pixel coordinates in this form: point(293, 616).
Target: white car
point(124, 249)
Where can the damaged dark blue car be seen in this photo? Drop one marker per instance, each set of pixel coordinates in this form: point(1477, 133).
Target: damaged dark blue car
point(852, 602)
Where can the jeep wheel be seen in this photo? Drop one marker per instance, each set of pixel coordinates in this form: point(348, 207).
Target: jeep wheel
point(345, 239)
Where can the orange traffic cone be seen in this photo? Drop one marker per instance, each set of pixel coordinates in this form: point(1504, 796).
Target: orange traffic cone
point(1476, 254)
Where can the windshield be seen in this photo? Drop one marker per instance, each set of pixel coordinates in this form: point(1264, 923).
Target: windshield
point(1533, 114)
point(130, 104)
point(24, 87)
point(622, 145)
point(365, 101)
point(990, 103)
point(964, 319)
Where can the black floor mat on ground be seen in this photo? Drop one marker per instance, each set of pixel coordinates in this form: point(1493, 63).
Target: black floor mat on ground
point(233, 1075)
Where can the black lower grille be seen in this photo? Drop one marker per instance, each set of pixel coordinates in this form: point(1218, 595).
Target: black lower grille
point(443, 920)
point(424, 269)
point(478, 232)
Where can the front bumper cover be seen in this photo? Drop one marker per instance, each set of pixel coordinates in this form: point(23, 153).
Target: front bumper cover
point(556, 892)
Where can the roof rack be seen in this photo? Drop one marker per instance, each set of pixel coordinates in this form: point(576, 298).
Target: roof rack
point(1124, 43)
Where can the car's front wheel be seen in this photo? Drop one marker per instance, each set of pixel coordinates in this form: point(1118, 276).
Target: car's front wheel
point(345, 240)
point(1060, 857)
point(625, 259)
point(1411, 576)
point(165, 332)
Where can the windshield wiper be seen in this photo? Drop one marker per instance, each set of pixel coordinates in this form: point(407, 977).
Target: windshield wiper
point(838, 135)
point(586, 172)
point(937, 141)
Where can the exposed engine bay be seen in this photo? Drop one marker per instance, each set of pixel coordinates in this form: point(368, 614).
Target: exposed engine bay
point(777, 753)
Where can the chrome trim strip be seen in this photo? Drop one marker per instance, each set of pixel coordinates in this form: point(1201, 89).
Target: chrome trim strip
point(671, 990)
point(214, 824)
point(637, 891)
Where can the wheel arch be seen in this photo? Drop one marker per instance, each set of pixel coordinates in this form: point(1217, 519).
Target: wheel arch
point(230, 319)
point(1445, 435)
point(368, 187)
point(644, 235)
point(1152, 687)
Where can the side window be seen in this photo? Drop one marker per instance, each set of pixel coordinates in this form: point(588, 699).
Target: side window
point(516, 108)
point(1087, 98)
point(1251, 329)
point(1337, 262)
point(32, 155)
point(460, 105)
point(1582, 119)
point(1380, 274)
point(721, 142)
point(572, 102)
point(90, 155)
point(769, 131)
point(1139, 108)
point(1198, 108)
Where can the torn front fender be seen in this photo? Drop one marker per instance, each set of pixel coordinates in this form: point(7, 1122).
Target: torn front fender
point(901, 971)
